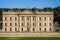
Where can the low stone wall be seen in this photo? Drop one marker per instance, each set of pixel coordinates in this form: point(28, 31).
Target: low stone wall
point(27, 34)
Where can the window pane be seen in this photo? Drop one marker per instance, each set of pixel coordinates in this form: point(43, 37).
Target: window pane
point(5, 18)
point(5, 29)
point(40, 18)
point(44, 18)
point(15, 29)
point(40, 29)
point(50, 18)
point(5, 24)
point(33, 24)
point(50, 29)
point(33, 18)
point(39, 24)
point(10, 18)
point(15, 18)
point(10, 24)
point(28, 18)
point(44, 29)
point(27, 24)
point(22, 18)
point(10, 29)
point(15, 24)
point(44, 24)
point(50, 24)
point(22, 24)
point(22, 29)
point(33, 29)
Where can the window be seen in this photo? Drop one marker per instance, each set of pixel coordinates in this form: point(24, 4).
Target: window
point(44, 29)
point(18, 29)
point(10, 29)
point(39, 24)
point(15, 18)
point(15, 29)
point(5, 18)
point(15, 24)
point(44, 18)
point(28, 18)
point(50, 18)
point(33, 24)
point(10, 18)
point(22, 18)
point(50, 29)
point(40, 18)
point(5, 24)
point(44, 24)
point(50, 24)
point(40, 29)
point(27, 29)
point(5, 29)
point(33, 29)
point(33, 18)
point(22, 24)
point(27, 24)
point(22, 29)
point(10, 24)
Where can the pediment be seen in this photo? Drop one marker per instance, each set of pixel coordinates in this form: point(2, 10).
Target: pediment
point(26, 12)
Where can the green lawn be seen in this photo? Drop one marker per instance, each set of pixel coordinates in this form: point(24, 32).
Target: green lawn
point(29, 38)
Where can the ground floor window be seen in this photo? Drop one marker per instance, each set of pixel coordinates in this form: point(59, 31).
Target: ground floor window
point(27, 29)
point(10, 29)
point(40, 29)
point(33, 29)
point(22, 29)
point(5, 29)
point(50, 29)
point(18, 29)
point(44, 29)
point(15, 29)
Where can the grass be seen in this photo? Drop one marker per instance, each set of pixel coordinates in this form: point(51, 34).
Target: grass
point(29, 38)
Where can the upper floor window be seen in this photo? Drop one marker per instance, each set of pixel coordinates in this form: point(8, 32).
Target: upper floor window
point(22, 18)
point(50, 24)
point(40, 29)
point(28, 18)
point(15, 18)
point(5, 24)
point(39, 24)
point(10, 18)
point(44, 24)
point(27, 24)
point(44, 18)
point(40, 18)
point(33, 18)
point(15, 24)
point(10, 24)
point(33, 24)
point(50, 18)
point(5, 18)
point(22, 24)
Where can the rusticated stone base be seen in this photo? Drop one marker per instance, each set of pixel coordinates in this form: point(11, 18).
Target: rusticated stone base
point(29, 34)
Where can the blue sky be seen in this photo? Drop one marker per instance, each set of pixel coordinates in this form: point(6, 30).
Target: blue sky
point(29, 3)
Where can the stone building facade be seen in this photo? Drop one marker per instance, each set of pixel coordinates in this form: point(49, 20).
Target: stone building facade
point(27, 21)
